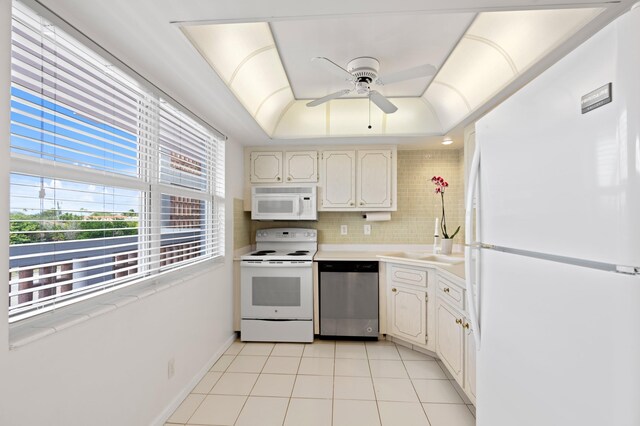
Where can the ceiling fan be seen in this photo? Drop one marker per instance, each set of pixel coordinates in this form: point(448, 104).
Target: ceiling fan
point(362, 72)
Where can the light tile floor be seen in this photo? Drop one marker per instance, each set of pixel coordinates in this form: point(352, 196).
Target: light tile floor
point(325, 383)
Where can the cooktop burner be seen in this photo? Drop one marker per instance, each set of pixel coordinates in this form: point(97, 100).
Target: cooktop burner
point(262, 252)
point(299, 253)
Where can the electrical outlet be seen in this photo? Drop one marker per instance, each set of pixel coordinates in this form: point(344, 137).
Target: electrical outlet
point(344, 230)
point(367, 229)
point(171, 368)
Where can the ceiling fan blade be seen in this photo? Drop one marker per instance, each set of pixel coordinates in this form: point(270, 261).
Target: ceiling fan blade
point(383, 103)
point(333, 68)
point(408, 74)
point(328, 98)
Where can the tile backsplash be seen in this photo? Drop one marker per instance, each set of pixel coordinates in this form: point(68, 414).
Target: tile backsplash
point(412, 223)
point(241, 225)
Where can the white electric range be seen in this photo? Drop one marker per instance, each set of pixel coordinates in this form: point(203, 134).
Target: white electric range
point(276, 288)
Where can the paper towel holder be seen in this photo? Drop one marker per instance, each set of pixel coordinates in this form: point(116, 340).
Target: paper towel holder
point(376, 216)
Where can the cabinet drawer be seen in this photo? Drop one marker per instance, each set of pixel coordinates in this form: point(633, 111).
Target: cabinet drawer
point(402, 275)
point(451, 293)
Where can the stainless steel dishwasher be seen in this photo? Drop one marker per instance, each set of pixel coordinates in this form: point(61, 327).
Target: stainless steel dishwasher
point(348, 298)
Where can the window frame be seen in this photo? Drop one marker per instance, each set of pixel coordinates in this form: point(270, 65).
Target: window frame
point(148, 180)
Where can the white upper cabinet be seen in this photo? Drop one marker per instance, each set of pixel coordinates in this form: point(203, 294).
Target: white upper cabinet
point(359, 180)
point(374, 178)
point(266, 167)
point(349, 178)
point(283, 166)
point(301, 166)
point(338, 179)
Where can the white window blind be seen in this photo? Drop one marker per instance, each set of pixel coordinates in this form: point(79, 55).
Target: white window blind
point(109, 183)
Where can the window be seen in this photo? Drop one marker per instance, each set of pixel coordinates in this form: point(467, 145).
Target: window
point(109, 182)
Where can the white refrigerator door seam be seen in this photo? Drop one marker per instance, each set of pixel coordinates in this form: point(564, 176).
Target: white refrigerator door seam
point(468, 239)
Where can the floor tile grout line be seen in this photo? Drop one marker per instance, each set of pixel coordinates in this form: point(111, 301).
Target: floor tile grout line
point(253, 386)
point(415, 390)
point(295, 379)
point(469, 408)
point(375, 395)
point(205, 397)
point(333, 376)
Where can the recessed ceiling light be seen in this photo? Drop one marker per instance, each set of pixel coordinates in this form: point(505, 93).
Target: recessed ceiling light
point(447, 141)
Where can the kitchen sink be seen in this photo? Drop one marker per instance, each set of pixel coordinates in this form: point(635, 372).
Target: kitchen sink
point(430, 257)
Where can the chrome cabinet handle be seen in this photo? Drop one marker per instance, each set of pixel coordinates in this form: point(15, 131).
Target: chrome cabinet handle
point(446, 289)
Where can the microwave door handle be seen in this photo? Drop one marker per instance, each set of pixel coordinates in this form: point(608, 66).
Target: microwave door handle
point(297, 206)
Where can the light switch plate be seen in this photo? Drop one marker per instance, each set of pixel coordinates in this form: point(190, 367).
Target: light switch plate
point(343, 230)
point(367, 229)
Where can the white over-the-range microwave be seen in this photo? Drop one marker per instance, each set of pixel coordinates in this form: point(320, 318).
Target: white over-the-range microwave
point(284, 203)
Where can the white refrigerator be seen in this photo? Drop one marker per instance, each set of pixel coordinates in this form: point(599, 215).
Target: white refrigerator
point(554, 260)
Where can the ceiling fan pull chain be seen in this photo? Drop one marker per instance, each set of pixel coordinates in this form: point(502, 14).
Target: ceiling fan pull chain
point(369, 127)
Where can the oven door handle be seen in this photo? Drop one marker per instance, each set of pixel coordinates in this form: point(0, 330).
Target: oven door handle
point(275, 264)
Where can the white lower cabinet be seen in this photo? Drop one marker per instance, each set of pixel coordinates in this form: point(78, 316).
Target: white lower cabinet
point(455, 343)
point(410, 304)
point(408, 313)
point(450, 338)
point(469, 362)
point(427, 308)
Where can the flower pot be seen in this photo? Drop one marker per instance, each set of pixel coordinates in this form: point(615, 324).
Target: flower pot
point(446, 244)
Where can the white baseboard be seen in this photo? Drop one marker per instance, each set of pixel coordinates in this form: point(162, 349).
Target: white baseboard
point(166, 413)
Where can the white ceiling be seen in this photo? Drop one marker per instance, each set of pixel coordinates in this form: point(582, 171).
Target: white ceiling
point(142, 34)
point(398, 41)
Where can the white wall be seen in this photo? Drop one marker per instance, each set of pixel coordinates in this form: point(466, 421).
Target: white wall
point(112, 369)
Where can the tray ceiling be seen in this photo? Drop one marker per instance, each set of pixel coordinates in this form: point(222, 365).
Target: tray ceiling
point(269, 68)
point(146, 37)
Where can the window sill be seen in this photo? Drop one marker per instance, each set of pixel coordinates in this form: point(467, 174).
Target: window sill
point(32, 329)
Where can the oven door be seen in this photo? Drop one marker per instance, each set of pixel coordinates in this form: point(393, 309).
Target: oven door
point(276, 290)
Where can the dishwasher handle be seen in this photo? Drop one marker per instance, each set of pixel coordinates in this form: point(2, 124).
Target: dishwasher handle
point(348, 266)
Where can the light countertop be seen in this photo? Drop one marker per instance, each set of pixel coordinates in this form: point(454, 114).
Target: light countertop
point(457, 270)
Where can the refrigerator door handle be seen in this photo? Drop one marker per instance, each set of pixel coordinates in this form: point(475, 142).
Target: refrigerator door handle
point(469, 243)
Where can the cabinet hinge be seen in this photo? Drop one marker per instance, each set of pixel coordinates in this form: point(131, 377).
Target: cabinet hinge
point(426, 338)
point(426, 297)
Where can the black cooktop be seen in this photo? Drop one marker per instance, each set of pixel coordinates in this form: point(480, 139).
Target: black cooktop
point(262, 252)
point(299, 253)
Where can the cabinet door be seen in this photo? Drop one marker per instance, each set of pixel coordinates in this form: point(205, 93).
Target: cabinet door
point(301, 166)
point(450, 339)
point(338, 179)
point(266, 167)
point(408, 316)
point(374, 178)
point(470, 363)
